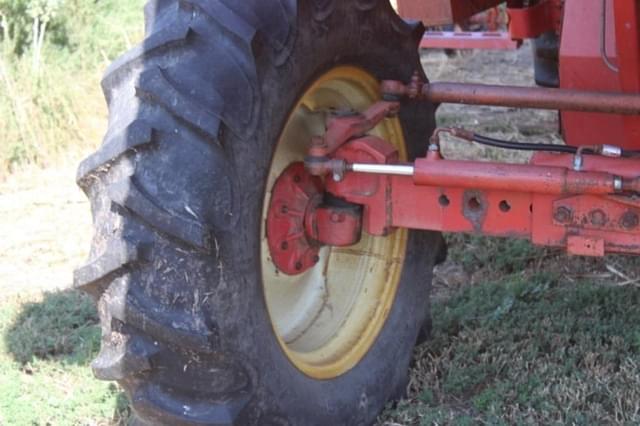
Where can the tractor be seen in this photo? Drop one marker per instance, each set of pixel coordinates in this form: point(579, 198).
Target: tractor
point(270, 195)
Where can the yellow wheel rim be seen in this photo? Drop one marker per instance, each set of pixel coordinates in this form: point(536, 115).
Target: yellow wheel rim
point(327, 318)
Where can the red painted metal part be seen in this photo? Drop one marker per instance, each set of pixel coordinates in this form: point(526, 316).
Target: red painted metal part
point(342, 128)
point(364, 189)
point(293, 194)
point(589, 41)
point(443, 12)
point(518, 97)
point(532, 21)
point(337, 226)
point(545, 201)
point(299, 223)
point(590, 211)
point(468, 40)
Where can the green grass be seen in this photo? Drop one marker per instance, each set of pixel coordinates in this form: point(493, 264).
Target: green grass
point(46, 347)
point(58, 112)
point(527, 346)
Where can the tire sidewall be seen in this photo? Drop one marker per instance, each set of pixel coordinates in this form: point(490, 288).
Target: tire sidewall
point(357, 35)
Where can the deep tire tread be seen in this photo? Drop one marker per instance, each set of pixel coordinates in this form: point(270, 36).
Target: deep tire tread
point(119, 256)
point(188, 231)
point(174, 89)
point(134, 136)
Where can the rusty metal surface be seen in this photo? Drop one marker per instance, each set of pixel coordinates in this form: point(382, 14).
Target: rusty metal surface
point(334, 225)
point(532, 97)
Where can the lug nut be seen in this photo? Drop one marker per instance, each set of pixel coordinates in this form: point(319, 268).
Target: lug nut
point(337, 218)
point(630, 220)
point(316, 259)
point(563, 214)
point(284, 245)
point(284, 209)
point(298, 266)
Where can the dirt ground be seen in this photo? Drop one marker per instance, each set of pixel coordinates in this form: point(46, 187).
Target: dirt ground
point(46, 222)
point(45, 228)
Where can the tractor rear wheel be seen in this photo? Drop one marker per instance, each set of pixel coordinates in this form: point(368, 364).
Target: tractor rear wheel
point(199, 327)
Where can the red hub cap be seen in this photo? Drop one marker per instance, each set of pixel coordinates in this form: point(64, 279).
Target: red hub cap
point(294, 194)
point(300, 221)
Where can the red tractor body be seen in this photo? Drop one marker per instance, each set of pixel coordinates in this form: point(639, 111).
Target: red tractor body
point(580, 199)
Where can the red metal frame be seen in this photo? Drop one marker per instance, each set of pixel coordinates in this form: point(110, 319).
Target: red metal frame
point(587, 204)
point(546, 201)
point(435, 13)
point(532, 21)
point(495, 40)
point(523, 22)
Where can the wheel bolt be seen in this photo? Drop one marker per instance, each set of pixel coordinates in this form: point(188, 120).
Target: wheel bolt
point(337, 217)
point(598, 218)
point(563, 214)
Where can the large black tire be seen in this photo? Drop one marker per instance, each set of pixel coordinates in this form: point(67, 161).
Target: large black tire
point(176, 192)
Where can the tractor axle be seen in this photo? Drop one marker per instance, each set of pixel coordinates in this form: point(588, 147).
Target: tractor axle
point(515, 97)
point(583, 199)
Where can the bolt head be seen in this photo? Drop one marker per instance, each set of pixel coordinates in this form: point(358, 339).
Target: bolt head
point(630, 220)
point(598, 218)
point(563, 214)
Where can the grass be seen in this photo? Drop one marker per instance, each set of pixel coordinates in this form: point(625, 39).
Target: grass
point(527, 345)
point(46, 347)
point(58, 112)
point(536, 339)
point(523, 336)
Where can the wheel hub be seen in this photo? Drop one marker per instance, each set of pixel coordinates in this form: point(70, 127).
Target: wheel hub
point(328, 314)
point(301, 219)
point(293, 194)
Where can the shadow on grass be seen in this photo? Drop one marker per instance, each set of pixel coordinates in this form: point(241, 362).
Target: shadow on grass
point(63, 328)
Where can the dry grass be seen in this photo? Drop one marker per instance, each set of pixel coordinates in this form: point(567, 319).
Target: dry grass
point(58, 112)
